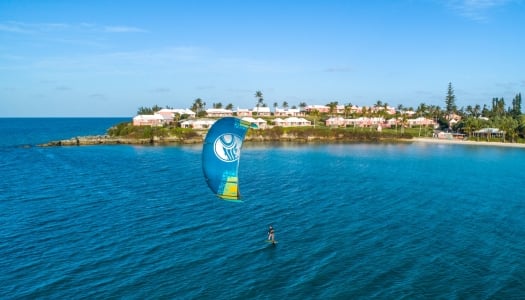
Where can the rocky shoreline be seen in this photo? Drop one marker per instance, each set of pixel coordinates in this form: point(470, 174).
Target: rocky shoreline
point(198, 139)
point(109, 140)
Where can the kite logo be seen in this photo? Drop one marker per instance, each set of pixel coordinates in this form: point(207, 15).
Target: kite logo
point(227, 147)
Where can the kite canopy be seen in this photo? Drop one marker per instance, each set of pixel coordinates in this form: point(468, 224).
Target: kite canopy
point(220, 156)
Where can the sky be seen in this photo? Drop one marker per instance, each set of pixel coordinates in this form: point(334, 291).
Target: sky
point(72, 58)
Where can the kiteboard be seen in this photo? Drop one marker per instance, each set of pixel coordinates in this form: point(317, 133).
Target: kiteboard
point(271, 242)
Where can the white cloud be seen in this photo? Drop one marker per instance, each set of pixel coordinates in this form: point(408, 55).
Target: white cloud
point(477, 10)
point(338, 70)
point(27, 28)
point(123, 29)
point(14, 28)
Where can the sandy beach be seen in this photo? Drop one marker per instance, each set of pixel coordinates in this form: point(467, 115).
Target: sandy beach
point(473, 143)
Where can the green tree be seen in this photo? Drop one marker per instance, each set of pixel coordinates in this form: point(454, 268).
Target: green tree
point(515, 110)
point(302, 105)
point(450, 100)
point(198, 107)
point(260, 100)
point(498, 107)
point(348, 109)
point(521, 126)
point(315, 114)
point(509, 125)
point(332, 105)
point(144, 111)
point(259, 97)
point(422, 111)
point(399, 112)
point(148, 110)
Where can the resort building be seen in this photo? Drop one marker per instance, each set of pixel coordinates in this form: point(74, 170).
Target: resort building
point(319, 108)
point(243, 112)
point(338, 122)
point(161, 117)
point(360, 122)
point(288, 112)
point(218, 112)
point(421, 121)
point(170, 113)
point(489, 133)
point(291, 122)
point(262, 111)
point(149, 120)
point(197, 123)
point(261, 124)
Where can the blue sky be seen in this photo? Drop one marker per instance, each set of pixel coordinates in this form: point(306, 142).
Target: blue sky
point(108, 58)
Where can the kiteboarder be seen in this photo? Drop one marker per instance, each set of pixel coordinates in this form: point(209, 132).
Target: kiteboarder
point(271, 234)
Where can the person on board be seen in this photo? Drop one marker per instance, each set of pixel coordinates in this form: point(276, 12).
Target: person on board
point(271, 234)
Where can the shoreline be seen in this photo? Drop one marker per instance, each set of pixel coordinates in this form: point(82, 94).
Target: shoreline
point(471, 143)
point(106, 140)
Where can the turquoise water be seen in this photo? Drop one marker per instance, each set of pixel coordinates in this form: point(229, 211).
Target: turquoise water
point(353, 221)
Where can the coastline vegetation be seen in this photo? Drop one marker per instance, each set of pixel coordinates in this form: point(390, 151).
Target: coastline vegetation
point(467, 121)
point(276, 133)
point(127, 130)
point(509, 122)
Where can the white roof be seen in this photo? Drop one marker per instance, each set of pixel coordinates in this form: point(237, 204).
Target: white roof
point(149, 117)
point(249, 119)
point(200, 121)
point(180, 111)
point(252, 120)
point(296, 120)
point(287, 109)
point(261, 109)
point(218, 110)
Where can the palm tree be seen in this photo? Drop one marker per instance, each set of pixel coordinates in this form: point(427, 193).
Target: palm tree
point(348, 108)
point(198, 106)
point(332, 105)
point(303, 105)
point(477, 110)
point(509, 126)
point(260, 100)
point(399, 112)
point(421, 110)
point(315, 114)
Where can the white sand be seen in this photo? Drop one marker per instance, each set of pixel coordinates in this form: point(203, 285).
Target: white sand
point(460, 142)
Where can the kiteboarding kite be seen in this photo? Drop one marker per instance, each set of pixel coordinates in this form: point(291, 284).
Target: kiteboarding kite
point(220, 156)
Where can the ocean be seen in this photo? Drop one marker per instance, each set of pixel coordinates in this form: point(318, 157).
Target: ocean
point(353, 221)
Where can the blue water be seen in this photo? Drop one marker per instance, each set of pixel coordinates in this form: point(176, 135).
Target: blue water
point(353, 221)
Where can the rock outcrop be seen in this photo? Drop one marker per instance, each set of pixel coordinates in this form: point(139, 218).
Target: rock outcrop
point(108, 140)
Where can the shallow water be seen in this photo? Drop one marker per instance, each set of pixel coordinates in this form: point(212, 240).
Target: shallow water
point(352, 220)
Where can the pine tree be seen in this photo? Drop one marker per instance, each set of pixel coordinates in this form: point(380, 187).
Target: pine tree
point(450, 100)
point(516, 106)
